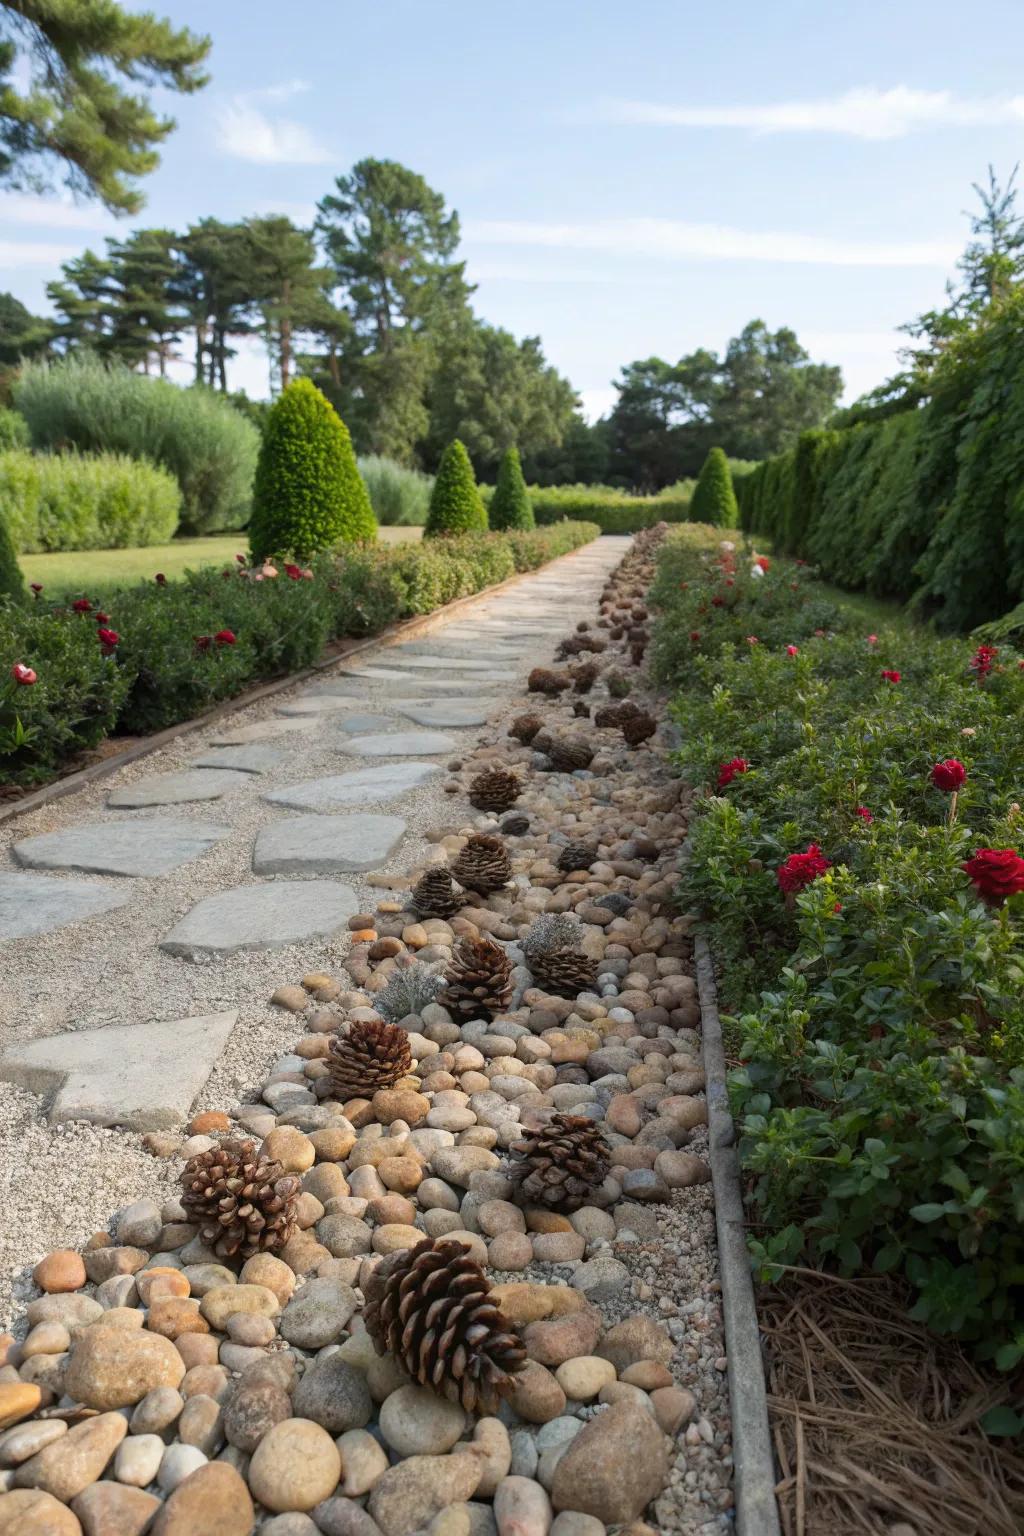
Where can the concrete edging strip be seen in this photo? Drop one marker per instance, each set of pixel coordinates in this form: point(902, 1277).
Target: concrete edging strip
point(754, 1464)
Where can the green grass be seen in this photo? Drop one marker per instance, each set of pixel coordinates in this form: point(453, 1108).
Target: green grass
point(100, 570)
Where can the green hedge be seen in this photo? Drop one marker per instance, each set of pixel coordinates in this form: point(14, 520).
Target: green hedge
point(13, 430)
point(613, 511)
point(77, 501)
point(198, 436)
point(455, 504)
point(927, 505)
point(168, 664)
point(400, 497)
point(714, 500)
point(510, 505)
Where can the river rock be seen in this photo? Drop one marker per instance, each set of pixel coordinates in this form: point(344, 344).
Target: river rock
point(318, 1313)
point(253, 1409)
point(218, 1305)
point(138, 1460)
point(522, 1508)
point(115, 1368)
point(76, 1459)
point(635, 1338)
point(410, 1494)
point(613, 1469)
point(212, 1501)
point(363, 1461)
point(295, 1466)
point(30, 1512)
point(416, 1422)
point(109, 1509)
point(334, 1395)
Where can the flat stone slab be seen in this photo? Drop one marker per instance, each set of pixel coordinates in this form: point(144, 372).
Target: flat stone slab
point(362, 786)
point(262, 730)
point(354, 724)
point(326, 845)
point(454, 713)
point(317, 704)
point(31, 904)
point(183, 788)
point(435, 663)
point(144, 1076)
point(255, 758)
point(393, 675)
point(262, 917)
point(137, 847)
point(402, 744)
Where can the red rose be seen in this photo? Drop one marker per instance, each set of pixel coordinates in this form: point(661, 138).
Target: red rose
point(996, 874)
point(792, 650)
point(864, 814)
point(240, 559)
point(802, 869)
point(160, 579)
point(694, 635)
point(763, 562)
point(22, 674)
point(37, 587)
point(224, 637)
point(203, 642)
point(294, 572)
point(891, 677)
point(981, 661)
point(718, 602)
point(728, 771)
point(949, 775)
point(102, 618)
point(108, 638)
point(82, 605)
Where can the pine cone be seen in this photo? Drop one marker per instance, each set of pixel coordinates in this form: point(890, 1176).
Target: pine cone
point(495, 789)
point(585, 676)
point(638, 728)
point(515, 825)
point(616, 714)
point(564, 752)
point(525, 727)
point(368, 1057)
point(576, 856)
point(478, 980)
point(483, 864)
point(240, 1205)
point(566, 972)
point(636, 654)
point(561, 1165)
point(435, 893)
point(428, 1306)
point(544, 680)
point(581, 709)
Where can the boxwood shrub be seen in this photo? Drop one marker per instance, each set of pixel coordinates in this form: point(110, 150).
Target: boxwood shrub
point(79, 501)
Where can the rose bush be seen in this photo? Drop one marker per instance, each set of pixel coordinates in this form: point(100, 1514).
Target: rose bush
point(862, 885)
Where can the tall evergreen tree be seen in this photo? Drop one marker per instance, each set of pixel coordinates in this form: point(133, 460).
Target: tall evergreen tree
point(714, 499)
point(22, 334)
point(216, 283)
point(82, 301)
point(143, 299)
point(510, 505)
point(455, 504)
point(288, 289)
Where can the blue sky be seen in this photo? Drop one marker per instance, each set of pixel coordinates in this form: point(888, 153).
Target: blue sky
point(631, 179)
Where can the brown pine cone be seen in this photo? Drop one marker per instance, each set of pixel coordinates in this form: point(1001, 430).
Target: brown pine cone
point(478, 980)
point(544, 680)
point(561, 1165)
point(585, 676)
point(525, 727)
point(565, 972)
point(616, 714)
point(483, 864)
point(429, 1307)
point(369, 1056)
point(576, 856)
point(495, 789)
point(638, 728)
point(565, 752)
point(240, 1205)
point(435, 893)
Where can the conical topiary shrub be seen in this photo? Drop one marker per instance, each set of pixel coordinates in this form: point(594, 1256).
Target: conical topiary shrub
point(308, 493)
point(714, 500)
point(510, 505)
point(455, 505)
point(12, 583)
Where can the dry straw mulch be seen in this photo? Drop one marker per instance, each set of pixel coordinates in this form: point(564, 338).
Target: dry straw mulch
point(875, 1421)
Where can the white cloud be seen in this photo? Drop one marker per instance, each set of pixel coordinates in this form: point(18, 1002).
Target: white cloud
point(672, 239)
point(597, 402)
point(864, 113)
point(53, 212)
point(35, 253)
point(248, 133)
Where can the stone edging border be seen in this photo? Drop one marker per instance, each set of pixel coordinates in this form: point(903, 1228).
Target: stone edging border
point(404, 629)
point(754, 1465)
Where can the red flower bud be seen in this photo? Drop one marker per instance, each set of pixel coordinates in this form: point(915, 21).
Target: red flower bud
point(160, 579)
point(996, 873)
point(82, 605)
point(224, 637)
point(728, 771)
point(891, 677)
point(802, 869)
point(949, 775)
point(23, 675)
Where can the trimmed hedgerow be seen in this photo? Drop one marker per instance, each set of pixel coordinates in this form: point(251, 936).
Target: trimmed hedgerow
point(12, 583)
point(510, 505)
point(714, 500)
point(613, 511)
point(74, 501)
point(455, 504)
point(308, 494)
point(857, 861)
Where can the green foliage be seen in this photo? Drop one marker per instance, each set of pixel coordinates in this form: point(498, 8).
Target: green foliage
point(76, 501)
point(308, 494)
point(880, 1091)
point(168, 664)
point(81, 106)
point(510, 505)
point(12, 583)
point(612, 510)
point(13, 430)
point(207, 446)
point(455, 504)
point(400, 497)
point(714, 500)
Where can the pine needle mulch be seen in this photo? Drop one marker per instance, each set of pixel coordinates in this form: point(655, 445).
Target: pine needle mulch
point(875, 1421)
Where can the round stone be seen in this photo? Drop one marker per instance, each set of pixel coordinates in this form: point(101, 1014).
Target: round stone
point(510, 1251)
point(177, 1463)
point(30, 1510)
point(137, 1460)
point(334, 1395)
point(316, 1315)
point(521, 1508)
point(363, 1461)
point(582, 1379)
point(253, 1410)
point(116, 1367)
point(60, 1271)
point(416, 1422)
point(156, 1411)
point(295, 1466)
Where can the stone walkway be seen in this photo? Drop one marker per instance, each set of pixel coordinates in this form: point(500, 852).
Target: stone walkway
point(142, 920)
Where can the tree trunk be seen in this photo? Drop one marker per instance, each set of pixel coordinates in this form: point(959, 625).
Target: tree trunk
point(333, 365)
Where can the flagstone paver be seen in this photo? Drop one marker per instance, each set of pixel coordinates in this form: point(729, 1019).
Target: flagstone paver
point(456, 713)
point(355, 725)
point(185, 788)
point(143, 1076)
point(326, 845)
point(361, 786)
point(255, 758)
point(261, 917)
point(31, 904)
point(317, 704)
point(151, 846)
point(266, 730)
point(402, 744)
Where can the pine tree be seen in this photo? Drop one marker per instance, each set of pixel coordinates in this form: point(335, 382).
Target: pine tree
point(12, 583)
point(455, 505)
point(510, 505)
point(308, 493)
point(714, 500)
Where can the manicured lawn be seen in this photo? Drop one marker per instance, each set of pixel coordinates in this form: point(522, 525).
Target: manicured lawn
point(96, 570)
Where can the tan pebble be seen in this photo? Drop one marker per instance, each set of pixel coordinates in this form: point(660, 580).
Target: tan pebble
point(540, 1220)
point(317, 980)
point(290, 1147)
point(46, 1339)
point(673, 1407)
point(172, 1316)
point(295, 1466)
point(219, 1303)
point(160, 1281)
point(649, 1375)
point(294, 999)
point(31, 1512)
point(208, 1123)
point(17, 1401)
point(196, 1349)
point(60, 1271)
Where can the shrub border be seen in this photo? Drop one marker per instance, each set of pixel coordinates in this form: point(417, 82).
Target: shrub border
point(420, 623)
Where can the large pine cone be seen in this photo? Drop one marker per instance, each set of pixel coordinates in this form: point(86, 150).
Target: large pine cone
point(495, 789)
point(478, 980)
point(435, 893)
point(566, 972)
point(576, 856)
point(241, 1206)
point(638, 728)
point(428, 1306)
point(565, 752)
point(585, 676)
point(371, 1055)
point(544, 680)
point(525, 727)
point(616, 714)
point(561, 1165)
point(483, 864)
